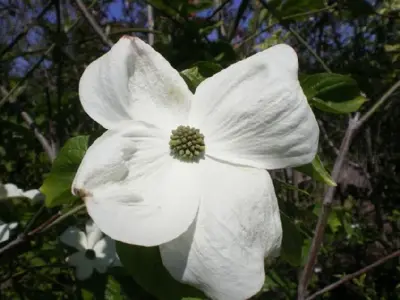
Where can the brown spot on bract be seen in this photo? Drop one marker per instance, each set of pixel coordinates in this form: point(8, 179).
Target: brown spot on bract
point(129, 37)
point(81, 193)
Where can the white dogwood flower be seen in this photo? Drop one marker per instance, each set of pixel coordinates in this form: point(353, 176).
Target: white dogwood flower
point(10, 190)
point(5, 230)
point(187, 171)
point(94, 250)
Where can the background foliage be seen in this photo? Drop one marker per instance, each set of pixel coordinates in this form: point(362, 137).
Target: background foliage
point(349, 56)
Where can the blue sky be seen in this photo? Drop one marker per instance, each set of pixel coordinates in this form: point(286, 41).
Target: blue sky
point(115, 12)
point(116, 9)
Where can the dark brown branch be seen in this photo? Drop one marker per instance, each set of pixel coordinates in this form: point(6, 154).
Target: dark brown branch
point(53, 220)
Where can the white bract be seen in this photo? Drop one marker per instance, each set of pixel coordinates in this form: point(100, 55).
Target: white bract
point(5, 230)
point(10, 190)
point(215, 218)
point(94, 250)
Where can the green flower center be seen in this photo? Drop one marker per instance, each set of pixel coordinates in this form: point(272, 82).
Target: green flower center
point(90, 254)
point(187, 143)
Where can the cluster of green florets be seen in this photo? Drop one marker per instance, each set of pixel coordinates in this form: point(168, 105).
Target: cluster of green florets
point(187, 143)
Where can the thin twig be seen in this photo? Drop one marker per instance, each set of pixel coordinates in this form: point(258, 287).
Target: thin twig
point(80, 42)
point(63, 216)
point(54, 128)
point(39, 136)
point(45, 224)
point(286, 25)
point(327, 138)
point(355, 124)
point(33, 219)
point(355, 274)
point(311, 50)
point(311, 12)
point(33, 68)
point(325, 135)
point(378, 104)
point(326, 208)
point(96, 27)
point(217, 10)
point(27, 75)
point(26, 29)
point(253, 35)
point(242, 8)
point(53, 220)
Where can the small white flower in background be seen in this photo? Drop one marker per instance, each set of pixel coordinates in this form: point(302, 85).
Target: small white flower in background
point(10, 190)
point(187, 172)
point(5, 229)
point(318, 269)
point(95, 251)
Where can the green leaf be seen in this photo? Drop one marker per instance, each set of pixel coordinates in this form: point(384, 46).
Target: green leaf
point(57, 185)
point(169, 10)
point(344, 107)
point(113, 290)
point(334, 222)
point(223, 52)
point(198, 6)
point(358, 8)
point(329, 87)
point(333, 93)
point(207, 29)
point(145, 265)
point(288, 8)
point(292, 242)
point(316, 170)
point(200, 71)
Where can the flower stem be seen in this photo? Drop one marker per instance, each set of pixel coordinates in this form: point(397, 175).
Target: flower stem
point(53, 220)
point(63, 216)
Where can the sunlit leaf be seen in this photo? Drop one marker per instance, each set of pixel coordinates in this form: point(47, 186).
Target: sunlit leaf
point(316, 171)
point(197, 6)
point(334, 222)
point(334, 93)
point(57, 185)
point(329, 86)
point(200, 71)
point(338, 107)
point(296, 8)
